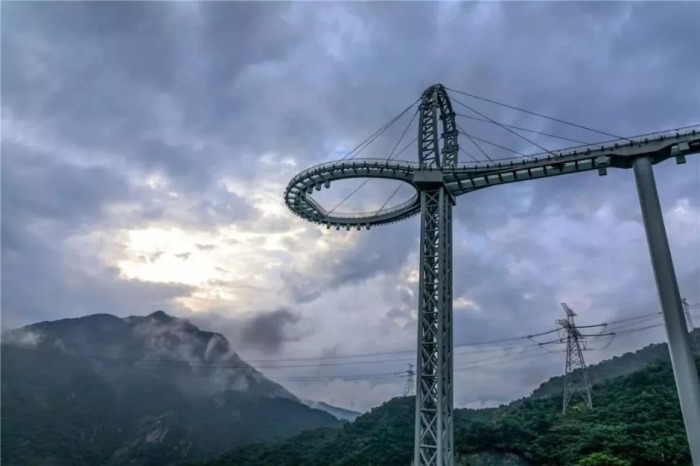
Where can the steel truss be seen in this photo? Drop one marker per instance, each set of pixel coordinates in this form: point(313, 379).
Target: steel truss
point(576, 374)
point(434, 428)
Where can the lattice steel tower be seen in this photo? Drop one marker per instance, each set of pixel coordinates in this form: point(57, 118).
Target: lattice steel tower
point(576, 375)
point(694, 339)
point(434, 423)
point(410, 381)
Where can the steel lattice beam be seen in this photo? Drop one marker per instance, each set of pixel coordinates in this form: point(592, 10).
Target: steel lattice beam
point(434, 435)
point(576, 374)
point(434, 443)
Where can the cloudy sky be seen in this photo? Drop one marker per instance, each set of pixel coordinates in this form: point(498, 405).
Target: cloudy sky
point(146, 146)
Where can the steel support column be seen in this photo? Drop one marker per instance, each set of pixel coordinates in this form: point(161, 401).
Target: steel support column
point(684, 369)
point(434, 432)
point(434, 426)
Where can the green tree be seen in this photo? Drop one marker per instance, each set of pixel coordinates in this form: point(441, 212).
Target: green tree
point(603, 459)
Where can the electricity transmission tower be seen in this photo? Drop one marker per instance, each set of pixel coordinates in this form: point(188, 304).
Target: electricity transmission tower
point(688, 317)
point(410, 382)
point(576, 375)
point(438, 180)
point(694, 339)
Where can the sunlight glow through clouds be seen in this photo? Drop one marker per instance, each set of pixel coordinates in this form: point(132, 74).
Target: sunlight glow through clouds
point(232, 268)
point(464, 303)
point(240, 264)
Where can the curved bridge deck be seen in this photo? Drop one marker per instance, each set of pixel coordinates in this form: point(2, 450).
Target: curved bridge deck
point(469, 177)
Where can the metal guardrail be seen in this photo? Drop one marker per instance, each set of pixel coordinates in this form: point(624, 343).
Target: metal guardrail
point(368, 215)
point(511, 162)
point(350, 164)
point(582, 149)
point(353, 163)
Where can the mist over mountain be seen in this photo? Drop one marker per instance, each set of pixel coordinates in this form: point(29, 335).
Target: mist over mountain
point(205, 361)
point(339, 413)
point(144, 391)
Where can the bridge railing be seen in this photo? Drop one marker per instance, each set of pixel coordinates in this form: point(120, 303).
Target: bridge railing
point(373, 213)
point(353, 163)
point(578, 150)
point(506, 161)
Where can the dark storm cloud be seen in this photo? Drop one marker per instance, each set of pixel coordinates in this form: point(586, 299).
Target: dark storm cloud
point(270, 330)
point(122, 72)
point(580, 84)
point(33, 185)
point(265, 333)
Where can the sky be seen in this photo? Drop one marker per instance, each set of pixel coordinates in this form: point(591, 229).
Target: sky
point(146, 147)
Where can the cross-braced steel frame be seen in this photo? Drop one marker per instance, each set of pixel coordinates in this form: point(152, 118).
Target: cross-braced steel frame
point(438, 179)
point(576, 374)
point(434, 422)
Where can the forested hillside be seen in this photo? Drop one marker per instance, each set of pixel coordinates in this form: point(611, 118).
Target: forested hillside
point(636, 421)
point(100, 390)
point(142, 391)
point(616, 366)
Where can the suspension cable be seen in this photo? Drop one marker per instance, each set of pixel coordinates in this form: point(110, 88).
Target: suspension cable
point(536, 114)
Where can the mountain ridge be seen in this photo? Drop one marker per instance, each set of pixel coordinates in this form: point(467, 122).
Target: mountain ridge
point(149, 390)
point(156, 338)
point(340, 413)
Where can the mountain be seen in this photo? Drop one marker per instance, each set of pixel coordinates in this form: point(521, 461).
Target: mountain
point(636, 421)
point(141, 391)
point(123, 344)
point(339, 413)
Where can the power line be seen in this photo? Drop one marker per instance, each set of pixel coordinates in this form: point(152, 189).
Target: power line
point(522, 355)
point(525, 352)
point(325, 378)
point(473, 346)
point(456, 346)
point(515, 356)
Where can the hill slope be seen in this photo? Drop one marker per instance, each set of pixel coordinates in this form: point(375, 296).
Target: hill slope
point(105, 391)
point(339, 413)
point(618, 365)
point(636, 421)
